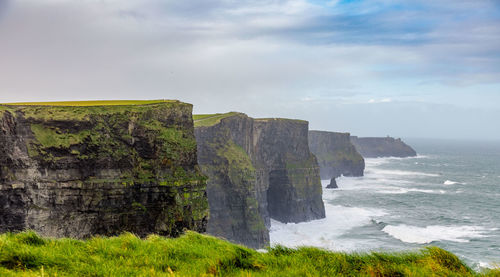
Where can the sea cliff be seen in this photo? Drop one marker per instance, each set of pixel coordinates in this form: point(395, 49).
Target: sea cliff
point(336, 154)
point(257, 169)
point(377, 147)
point(79, 169)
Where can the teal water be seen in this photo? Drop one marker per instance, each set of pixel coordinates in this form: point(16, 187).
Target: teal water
point(448, 196)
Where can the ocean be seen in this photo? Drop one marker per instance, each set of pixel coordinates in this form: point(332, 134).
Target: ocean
point(448, 196)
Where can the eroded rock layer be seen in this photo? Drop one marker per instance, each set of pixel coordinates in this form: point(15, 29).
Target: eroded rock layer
point(78, 171)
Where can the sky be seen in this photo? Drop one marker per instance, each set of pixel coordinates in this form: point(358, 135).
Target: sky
point(421, 68)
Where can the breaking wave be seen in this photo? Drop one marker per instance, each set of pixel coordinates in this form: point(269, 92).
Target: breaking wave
point(428, 234)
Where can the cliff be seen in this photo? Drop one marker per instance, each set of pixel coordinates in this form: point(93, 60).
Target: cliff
point(77, 169)
point(382, 147)
point(257, 169)
point(282, 152)
point(235, 193)
point(336, 154)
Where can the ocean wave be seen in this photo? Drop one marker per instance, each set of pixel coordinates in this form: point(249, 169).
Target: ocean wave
point(449, 183)
point(404, 191)
point(487, 265)
point(323, 232)
point(400, 172)
point(424, 235)
point(383, 160)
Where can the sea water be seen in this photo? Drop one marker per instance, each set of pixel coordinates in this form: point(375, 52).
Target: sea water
point(448, 196)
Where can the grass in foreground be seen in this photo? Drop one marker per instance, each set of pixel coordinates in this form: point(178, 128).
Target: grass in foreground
point(89, 103)
point(27, 254)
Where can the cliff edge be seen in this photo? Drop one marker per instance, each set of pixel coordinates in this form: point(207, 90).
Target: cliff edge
point(77, 169)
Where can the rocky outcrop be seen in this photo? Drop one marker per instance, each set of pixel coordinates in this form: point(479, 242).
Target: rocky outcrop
point(382, 147)
point(78, 171)
point(333, 184)
point(336, 154)
point(257, 169)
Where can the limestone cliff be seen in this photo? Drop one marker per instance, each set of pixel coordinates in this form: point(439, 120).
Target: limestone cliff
point(257, 169)
point(81, 169)
point(233, 187)
point(282, 152)
point(382, 147)
point(336, 154)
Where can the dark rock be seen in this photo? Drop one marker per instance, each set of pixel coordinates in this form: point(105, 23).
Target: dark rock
point(257, 169)
point(333, 184)
point(236, 191)
point(100, 170)
point(336, 154)
point(382, 147)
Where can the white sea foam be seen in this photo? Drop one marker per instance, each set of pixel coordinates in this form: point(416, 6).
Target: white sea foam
point(404, 190)
point(323, 232)
point(449, 183)
point(384, 160)
point(422, 235)
point(488, 265)
point(402, 173)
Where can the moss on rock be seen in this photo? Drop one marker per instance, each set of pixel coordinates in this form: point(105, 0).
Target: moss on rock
point(136, 145)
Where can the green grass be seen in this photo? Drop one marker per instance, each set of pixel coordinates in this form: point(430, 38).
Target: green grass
point(52, 138)
point(281, 119)
point(27, 254)
point(203, 120)
point(90, 103)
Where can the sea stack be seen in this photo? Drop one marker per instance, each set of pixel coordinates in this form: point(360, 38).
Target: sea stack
point(333, 184)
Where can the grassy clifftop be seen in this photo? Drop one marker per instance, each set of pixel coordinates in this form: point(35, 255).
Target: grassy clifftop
point(91, 103)
point(27, 254)
point(205, 120)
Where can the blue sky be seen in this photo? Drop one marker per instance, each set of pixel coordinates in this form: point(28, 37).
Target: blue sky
point(373, 68)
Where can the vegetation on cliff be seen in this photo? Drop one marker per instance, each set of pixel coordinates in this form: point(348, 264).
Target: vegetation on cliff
point(257, 169)
point(79, 169)
point(205, 120)
point(91, 103)
point(93, 131)
point(232, 180)
point(27, 254)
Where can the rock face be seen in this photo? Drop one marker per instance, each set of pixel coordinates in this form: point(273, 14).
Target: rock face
point(333, 184)
point(236, 192)
point(78, 171)
point(336, 154)
point(382, 147)
point(257, 169)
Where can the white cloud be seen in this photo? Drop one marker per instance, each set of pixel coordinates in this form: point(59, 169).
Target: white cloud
point(267, 58)
point(383, 100)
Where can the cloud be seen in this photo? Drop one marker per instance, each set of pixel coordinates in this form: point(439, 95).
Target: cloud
point(383, 100)
point(266, 58)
